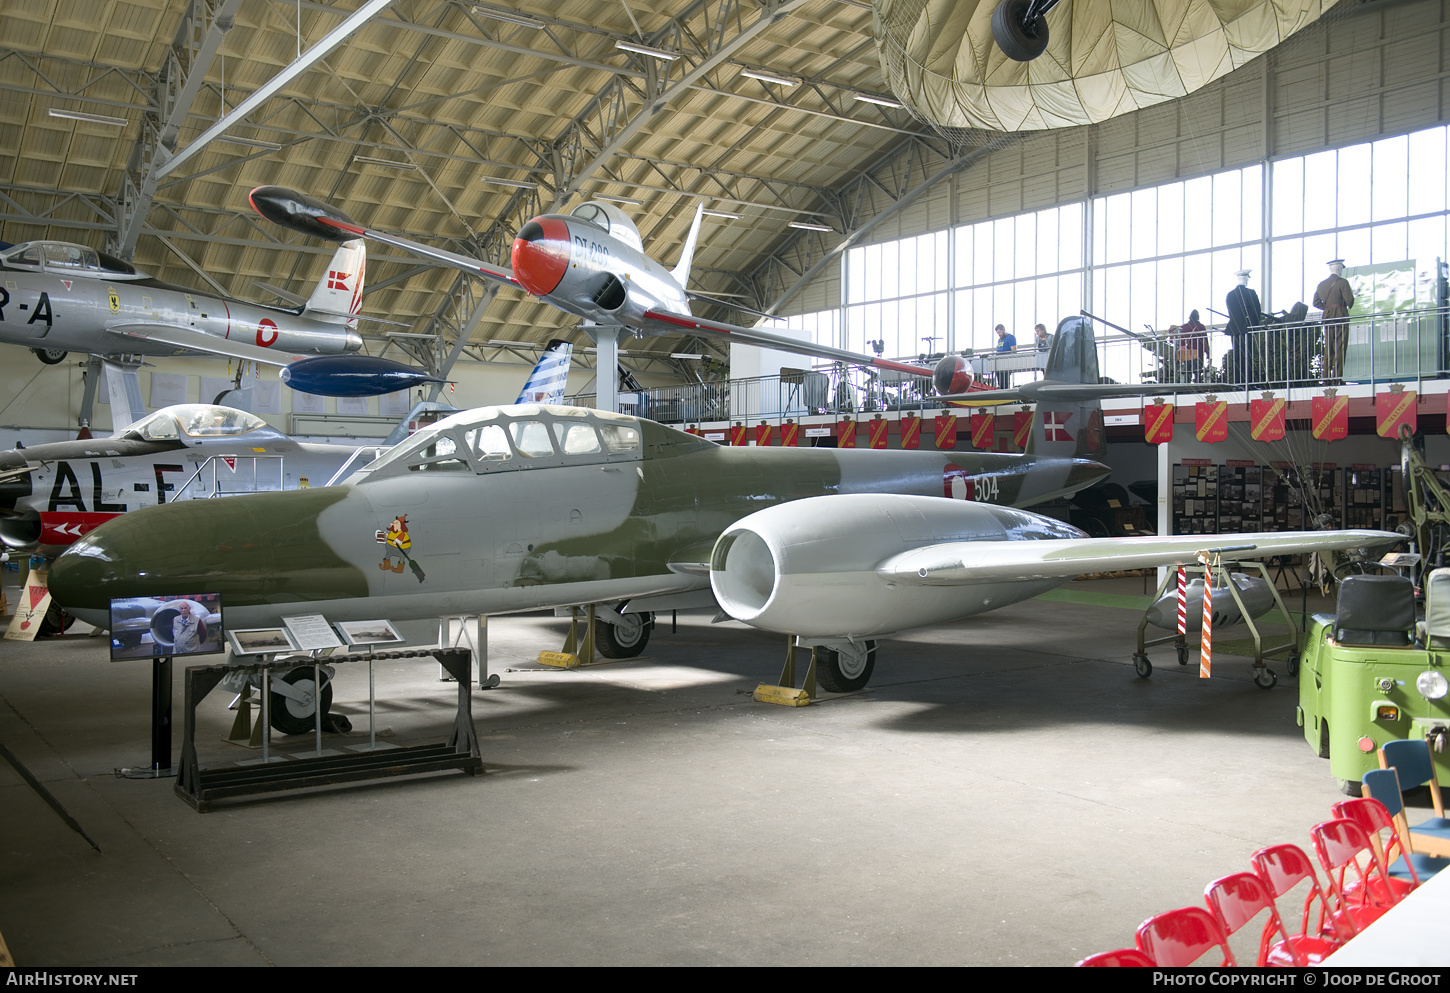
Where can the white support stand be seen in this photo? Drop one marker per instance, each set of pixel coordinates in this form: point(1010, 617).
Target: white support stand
point(1165, 499)
point(468, 631)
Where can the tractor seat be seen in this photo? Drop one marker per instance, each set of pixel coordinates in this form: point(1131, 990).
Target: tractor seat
point(1375, 610)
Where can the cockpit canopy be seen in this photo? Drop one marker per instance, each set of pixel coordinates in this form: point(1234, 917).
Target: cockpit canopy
point(65, 257)
point(191, 422)
point(611, 220)
point(523, 436)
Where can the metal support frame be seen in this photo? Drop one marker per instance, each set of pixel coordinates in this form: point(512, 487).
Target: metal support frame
point(1290, 649)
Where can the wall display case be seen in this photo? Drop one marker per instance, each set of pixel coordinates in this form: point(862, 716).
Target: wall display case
point(1240, 497)
point(1195, 497)
point(1364, 494)
point(1323, 494)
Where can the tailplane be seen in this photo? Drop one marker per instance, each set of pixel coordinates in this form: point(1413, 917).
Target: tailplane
point(1070, 428)
point(546, 383)
point(338, 295)
point(681, 271)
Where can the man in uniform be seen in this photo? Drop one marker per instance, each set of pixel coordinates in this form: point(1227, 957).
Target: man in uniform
point(1243, 313)
point(1334, 296)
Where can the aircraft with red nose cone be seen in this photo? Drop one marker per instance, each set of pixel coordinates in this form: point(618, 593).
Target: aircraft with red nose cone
point(589, 263)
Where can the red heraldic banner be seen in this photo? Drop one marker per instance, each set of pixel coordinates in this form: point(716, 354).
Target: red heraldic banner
point(737, 435)
point(762, 434)
point(946, 431)
point(983, 427)
point(1393, 409)
point(1021, 428)
point(1210, 421)
point(1266, 419)
point(876, 429)
point(845, 433)
point(790, 434)
point(1329, 417)
point(910, 431)
point(1158, 423)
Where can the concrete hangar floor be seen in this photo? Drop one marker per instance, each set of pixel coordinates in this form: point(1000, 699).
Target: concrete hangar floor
point(1005, 792)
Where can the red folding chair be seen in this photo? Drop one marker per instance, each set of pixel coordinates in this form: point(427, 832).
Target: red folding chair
point(1236, 900)
point(1119, 957)
point(1283, 868)
point(1373, 819)
point(1181, 937)
point(1349, 861)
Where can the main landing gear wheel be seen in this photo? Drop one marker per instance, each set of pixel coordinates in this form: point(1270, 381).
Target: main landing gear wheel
point(294, 717)
point(1019, 40)
point(50, 356)
point(1142, 666)
point(1265, 679)
point(626, 639)
point(846, 670)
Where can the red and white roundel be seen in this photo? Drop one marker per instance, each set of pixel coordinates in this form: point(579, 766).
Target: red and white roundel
point(957, 482)
point(266, 324)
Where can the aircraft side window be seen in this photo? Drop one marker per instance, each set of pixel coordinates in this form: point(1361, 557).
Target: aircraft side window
point(591, 213)
point(71, 257)
point(441, 456)
point(489, 443)
point(30, 255)
point(620, 438)
point(577, 439)
point(531, 438)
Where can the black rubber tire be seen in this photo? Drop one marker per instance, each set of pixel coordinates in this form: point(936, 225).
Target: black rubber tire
point(1019, 42)
point(1292, 664)
point(283, 718)
point(1142, 666)
point(833, 678)
point(1323, 739)
point(56, 621)
point(50, 356)
point(1349, 787)
point(1265, 679)
point(624, 641)
point(1182, 654)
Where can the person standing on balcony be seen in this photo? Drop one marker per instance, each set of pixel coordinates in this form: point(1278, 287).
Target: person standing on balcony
point(1190, 344)
point(1244, 313)
point(1006, 344)
point(1334, 296)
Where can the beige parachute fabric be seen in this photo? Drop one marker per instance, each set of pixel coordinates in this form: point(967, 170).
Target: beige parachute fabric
point(1103, 58)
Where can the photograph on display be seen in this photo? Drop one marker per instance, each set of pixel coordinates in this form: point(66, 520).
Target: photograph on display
point(369, 632)
point(260, 641)
point(167, 626)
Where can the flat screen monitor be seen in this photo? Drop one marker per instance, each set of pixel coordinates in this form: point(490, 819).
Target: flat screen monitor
point(146, 627)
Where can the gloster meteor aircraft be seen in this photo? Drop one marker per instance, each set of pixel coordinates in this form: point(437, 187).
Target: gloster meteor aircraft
point(505, 509)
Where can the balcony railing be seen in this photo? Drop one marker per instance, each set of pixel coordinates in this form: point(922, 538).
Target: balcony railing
point(1400, 347)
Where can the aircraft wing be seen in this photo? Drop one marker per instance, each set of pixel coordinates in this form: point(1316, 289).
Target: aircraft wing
point(960, 563)
point(1043, 391)
point(195, 340)
point(667, 320)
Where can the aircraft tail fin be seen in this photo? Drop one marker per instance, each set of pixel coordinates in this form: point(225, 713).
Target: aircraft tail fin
point(681, 271)
point(1070, 428)
point(546, 383)
point(338, 295)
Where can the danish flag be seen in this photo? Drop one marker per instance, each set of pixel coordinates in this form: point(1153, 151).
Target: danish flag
point(1054, 425)
point(337, 280)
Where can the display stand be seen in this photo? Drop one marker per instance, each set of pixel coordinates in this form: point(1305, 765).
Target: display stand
point(160, 767)
point(201, 786)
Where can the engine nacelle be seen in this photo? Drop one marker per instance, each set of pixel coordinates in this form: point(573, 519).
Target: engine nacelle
point(21, 533)
point(808, 567)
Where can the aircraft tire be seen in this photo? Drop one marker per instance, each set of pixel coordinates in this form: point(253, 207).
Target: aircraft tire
point(287, 714)
point(1017, 41)
point(845, 672)
point(624, 641)
point(50, 356)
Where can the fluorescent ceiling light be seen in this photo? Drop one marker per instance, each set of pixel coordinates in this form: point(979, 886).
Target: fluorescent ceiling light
point(766, 77)
point(809, 227)
point(685, 355)
point(76, 115)
point(655, 53)
point(390, 163)
point(253, 142)
point(498, 15)
point(879, 101)
point(632, 203)
point(722, 213)
point(516, 184)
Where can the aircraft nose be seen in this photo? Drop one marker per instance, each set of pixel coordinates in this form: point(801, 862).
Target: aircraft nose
point(540, 255)
point(1085, 472)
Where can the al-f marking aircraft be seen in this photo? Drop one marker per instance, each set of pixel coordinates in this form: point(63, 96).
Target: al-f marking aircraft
point(56, 297)
point(506, 509)
point(52, 494)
